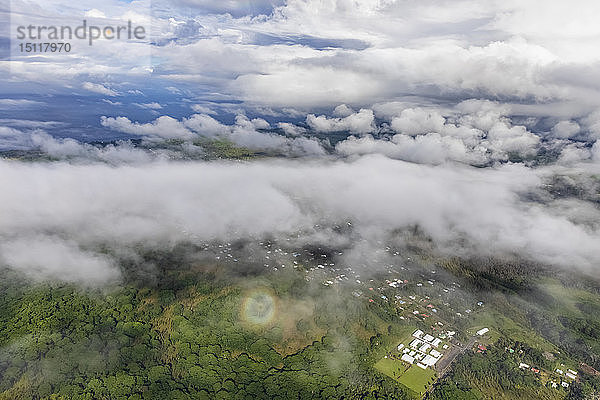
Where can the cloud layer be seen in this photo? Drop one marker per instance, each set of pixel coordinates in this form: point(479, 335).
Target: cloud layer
point(453, 116)
point(60, 219)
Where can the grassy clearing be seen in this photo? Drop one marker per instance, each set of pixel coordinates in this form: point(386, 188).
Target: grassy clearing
point(416, 379)
point(502, 326)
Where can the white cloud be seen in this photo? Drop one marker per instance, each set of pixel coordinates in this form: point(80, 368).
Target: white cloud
point(503, 139)
point(94, 13)
point(150, 106)
point(245, 132)
point(573, 153)
point(74, 151)
point(596, 151)
point(565, 129)
point(27, 123)
point(427, 149)
point(361, 122)
point(474, 132)
point(464, 210)
point(206, 125)
point(164, 127)
point(112, 103)
point(99, 88)
point(291, 129)
point(417, 121)
point(342, 111)
point(592, 125)
point(308, 54)
point(19, 103)
point(44, 257)
point(202, 109)
point(11, 138)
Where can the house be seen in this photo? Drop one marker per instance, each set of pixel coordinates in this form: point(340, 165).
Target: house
point(436, 342)
point(429, 360)
point(415, 343)
point(425, 348)
point(435, 353)
point(571, 371)
point(400, 346)
point(428, 338)
point(564, 384)
point(524, 366)
point(570, 375)
point(407, 358)
point(422, 365)
point(483, 331)
point(560, 371)
point(418, 333)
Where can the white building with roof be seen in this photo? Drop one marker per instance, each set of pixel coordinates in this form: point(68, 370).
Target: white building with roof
point(418, 333)
point(425, 348)
point(407, 358)
point(429, 360)
point(483, 331)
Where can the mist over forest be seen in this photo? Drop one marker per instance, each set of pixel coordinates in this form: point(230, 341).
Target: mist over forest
point(300, 199)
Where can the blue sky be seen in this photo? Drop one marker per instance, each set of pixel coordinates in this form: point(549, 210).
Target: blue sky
point(295, 61)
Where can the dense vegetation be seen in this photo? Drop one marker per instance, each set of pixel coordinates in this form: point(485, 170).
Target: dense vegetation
point(495, 374)
point(182, 331)
point(60, 342)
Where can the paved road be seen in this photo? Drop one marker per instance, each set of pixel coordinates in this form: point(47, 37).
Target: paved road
point(444, 364)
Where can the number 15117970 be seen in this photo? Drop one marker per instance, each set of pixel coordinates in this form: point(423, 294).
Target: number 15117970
point(52, 47)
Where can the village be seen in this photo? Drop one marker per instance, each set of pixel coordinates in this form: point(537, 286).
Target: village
point(446, 318)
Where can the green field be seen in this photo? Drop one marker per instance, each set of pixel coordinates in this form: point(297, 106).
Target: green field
point(416, 379)
point(504, 326)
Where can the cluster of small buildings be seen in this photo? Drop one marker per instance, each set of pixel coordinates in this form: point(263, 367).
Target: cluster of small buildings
point(528, 367)
point(422, 350)
point(396, 283)
point(569, 374)
point(565, 378)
